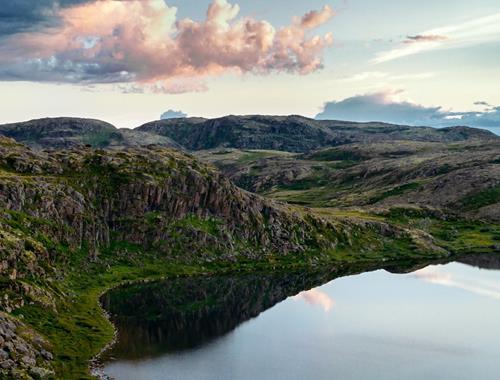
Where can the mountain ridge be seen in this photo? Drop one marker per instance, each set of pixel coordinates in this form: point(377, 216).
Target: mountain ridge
point(292, 133)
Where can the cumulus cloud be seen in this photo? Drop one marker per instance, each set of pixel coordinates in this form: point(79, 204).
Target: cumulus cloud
point(171, 114)
point(387, 106)
point(143, 42)
point(380, 106)
point(316, 297)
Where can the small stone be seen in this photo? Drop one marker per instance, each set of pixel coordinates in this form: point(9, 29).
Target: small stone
point(3, 355)
point(40, 373)
point(38, 341)
point(7, 364)
point(29, 361)
point(9, 346)
point(46, 354)
point(21, 347)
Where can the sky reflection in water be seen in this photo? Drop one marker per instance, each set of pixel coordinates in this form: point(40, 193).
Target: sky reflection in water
point(438, 322)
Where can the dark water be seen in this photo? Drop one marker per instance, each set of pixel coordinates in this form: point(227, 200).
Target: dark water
point(438, 322)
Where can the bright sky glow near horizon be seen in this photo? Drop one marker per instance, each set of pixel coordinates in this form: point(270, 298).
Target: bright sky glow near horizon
point(127, 62)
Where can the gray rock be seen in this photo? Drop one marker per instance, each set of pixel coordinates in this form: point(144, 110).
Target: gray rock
point(46, 355)
point(3, 355)
point(40, 373)
point(7, 364)
point(28, 361)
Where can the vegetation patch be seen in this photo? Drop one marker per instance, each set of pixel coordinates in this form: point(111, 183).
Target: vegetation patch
point(336, 155)
point(484, 198)
point(398, 190)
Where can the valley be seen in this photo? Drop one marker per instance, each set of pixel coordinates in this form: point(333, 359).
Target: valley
point(87, 207)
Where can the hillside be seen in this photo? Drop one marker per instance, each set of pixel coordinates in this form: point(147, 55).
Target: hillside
point(460, 178)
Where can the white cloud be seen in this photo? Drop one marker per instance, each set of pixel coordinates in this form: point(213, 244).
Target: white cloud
point(380, 75)
point(472, 32)
point(389, 106)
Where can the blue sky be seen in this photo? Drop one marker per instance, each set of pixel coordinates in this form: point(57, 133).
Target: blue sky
point(429, 54)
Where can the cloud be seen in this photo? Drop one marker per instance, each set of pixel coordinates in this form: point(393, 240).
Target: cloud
point(143, 42)
point(387, 106)
point(171, 114)
point(316, 297)
point(472, 32)
point(379, 75)
point(314, 19)
point(482, 103)
point(28, 15)
point(424, 38)
point(472, 285)
point(380, 106)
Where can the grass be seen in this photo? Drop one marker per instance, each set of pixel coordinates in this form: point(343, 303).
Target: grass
point(484, 198)
point(398, 190)
point(336, 155)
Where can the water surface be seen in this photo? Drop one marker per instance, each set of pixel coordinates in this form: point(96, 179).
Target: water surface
point(440, 321)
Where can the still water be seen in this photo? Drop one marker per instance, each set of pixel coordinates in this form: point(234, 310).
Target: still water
point(437, 322)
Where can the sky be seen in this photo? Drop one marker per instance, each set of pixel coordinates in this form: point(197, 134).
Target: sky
point(129, 62)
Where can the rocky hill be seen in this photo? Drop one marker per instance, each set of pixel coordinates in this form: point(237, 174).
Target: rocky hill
point(283, 133)
point(296, 133)
point(67, 132)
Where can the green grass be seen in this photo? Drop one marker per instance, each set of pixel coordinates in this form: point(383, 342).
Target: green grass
point(336, 155)
point(398, 190)
point(484, 198)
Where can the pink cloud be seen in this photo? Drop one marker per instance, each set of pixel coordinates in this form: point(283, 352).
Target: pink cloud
point(314, 19)
point(143, 42)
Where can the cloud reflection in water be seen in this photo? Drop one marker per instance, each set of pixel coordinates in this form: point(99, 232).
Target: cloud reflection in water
point(435, 276)
point(316, 297)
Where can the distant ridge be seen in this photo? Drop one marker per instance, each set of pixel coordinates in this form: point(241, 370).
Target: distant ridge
point(287, 133)
point(296, 133)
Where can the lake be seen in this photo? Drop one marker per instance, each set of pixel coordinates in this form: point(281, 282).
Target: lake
point(440, 321)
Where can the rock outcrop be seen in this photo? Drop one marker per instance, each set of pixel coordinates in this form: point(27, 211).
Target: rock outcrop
point(144, 196)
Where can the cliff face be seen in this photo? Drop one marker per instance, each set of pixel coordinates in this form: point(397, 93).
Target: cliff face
point(144, 197)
